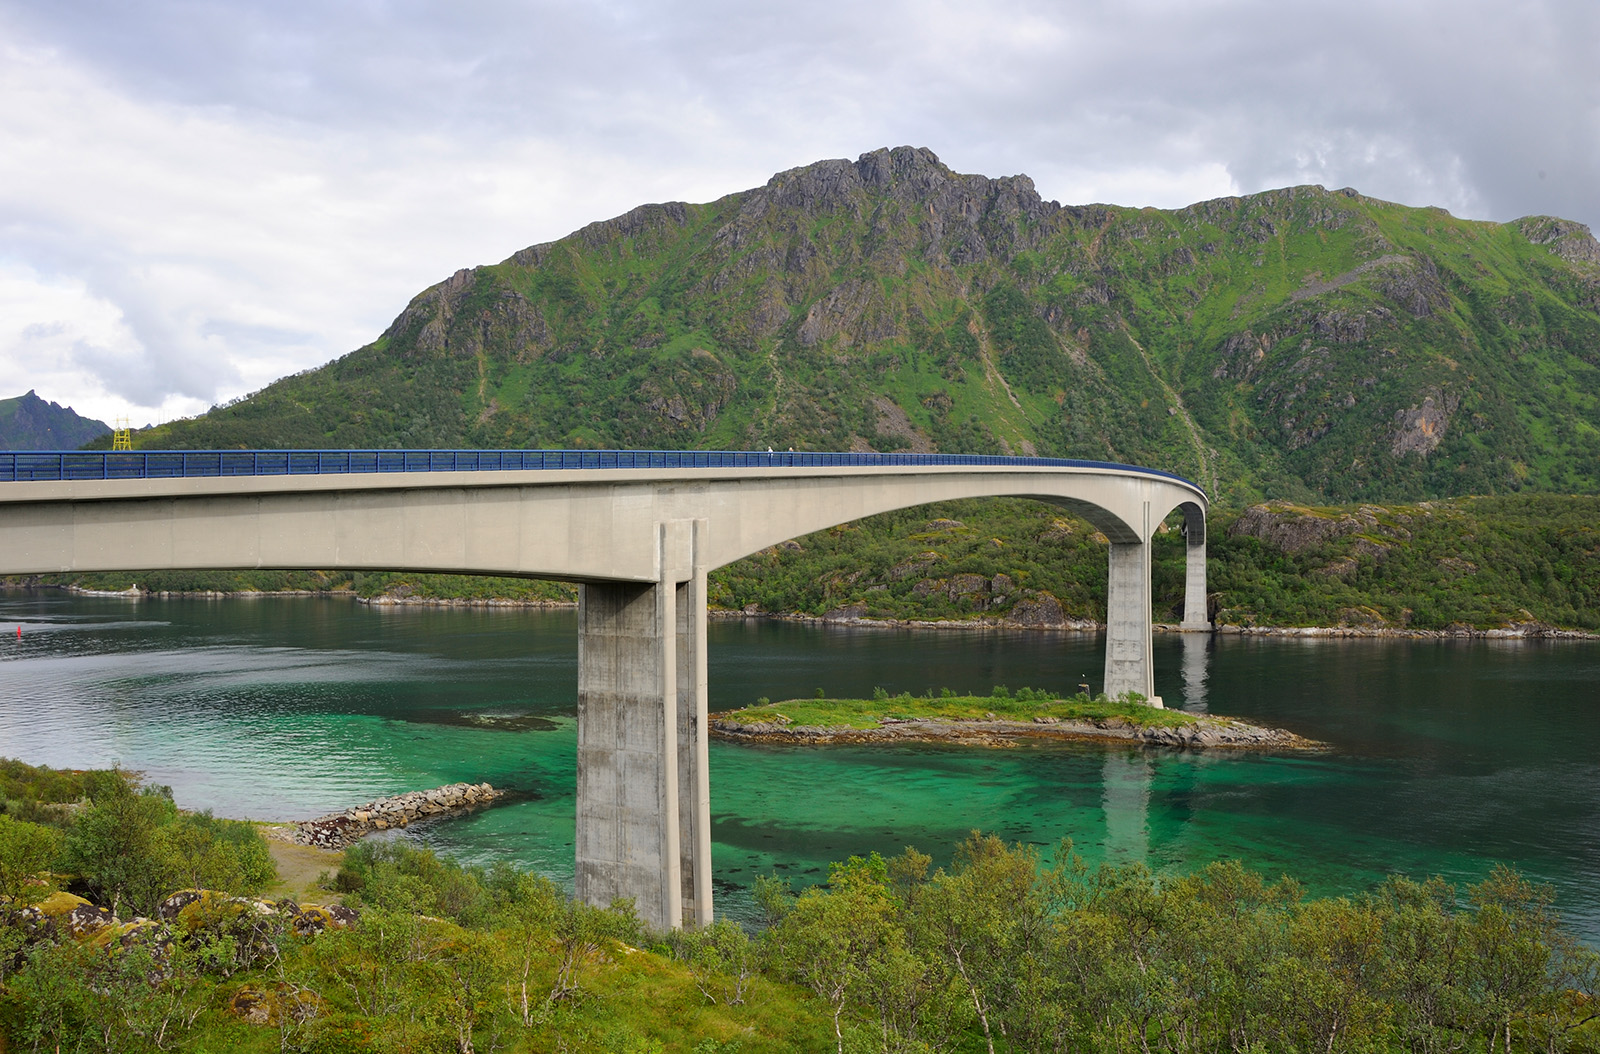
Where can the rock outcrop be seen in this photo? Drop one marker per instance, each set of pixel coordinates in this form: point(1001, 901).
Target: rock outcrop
point(251, 924)
point(1294, 529)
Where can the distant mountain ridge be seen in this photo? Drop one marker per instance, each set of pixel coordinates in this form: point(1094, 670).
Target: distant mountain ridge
point(28, 422)
point(1299, 343)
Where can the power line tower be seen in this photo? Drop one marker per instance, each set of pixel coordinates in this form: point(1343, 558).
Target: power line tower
point(122, 435)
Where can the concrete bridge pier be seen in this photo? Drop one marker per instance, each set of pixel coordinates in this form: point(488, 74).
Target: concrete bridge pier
point(1128, 662)
point(643, 823)
point(1196, 616)
point(694, 782)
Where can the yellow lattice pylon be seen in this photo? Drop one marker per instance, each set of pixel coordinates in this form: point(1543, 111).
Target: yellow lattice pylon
point(122, 435)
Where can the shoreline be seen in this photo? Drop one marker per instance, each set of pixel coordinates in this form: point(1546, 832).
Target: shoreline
point(1515, 631)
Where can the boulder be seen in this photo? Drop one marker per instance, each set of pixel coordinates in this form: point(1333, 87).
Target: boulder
point(314, 918)
point(85, 920)
point(272, 1004)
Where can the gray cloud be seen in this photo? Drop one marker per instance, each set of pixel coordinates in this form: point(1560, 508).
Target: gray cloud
point(259, 187)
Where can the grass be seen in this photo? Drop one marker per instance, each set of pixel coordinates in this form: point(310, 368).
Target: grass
point(301, 870)
point(1025, 705)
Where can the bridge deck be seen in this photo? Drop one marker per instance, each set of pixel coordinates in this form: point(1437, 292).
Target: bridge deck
point(59, 466)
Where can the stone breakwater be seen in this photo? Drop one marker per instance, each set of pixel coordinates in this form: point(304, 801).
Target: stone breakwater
point(1206, 731)
point(337, 830)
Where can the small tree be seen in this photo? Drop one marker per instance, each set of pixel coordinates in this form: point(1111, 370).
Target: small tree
point(829, 939)
point(116, 844)
point(720, 958)
point(25, 850)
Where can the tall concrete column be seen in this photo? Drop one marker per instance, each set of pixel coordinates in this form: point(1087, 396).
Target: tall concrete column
point(627, 833)
point(1128, 645)
point(1195, 613)
point(643, 824)
point(1128, 665)
point(694, 784)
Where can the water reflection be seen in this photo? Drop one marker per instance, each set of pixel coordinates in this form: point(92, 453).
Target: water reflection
point(1196, 667)
point(1125, 799)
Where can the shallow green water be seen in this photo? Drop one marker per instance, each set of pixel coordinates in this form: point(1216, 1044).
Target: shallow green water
point(1448, 755)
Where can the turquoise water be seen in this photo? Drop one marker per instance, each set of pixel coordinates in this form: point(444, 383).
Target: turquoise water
point(1448, 756)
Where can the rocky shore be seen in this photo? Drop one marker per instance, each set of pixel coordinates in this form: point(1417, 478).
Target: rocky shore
point(1516, 631)
point(337, 830)
point(393, 600)
point(1205, 731)
point(1068, 624)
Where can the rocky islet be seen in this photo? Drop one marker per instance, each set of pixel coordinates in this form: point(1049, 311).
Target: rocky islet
point(1205, 731)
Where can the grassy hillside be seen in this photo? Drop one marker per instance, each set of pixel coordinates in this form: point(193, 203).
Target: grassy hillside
point(1303, 343)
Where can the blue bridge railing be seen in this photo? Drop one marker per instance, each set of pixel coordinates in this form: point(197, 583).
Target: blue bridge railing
point(47, 465)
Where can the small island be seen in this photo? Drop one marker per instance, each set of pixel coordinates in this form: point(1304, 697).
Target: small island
point(999, 719)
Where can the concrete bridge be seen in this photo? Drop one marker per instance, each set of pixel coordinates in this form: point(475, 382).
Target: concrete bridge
point(639, 530)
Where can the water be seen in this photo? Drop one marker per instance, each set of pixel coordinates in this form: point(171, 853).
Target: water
point(1448, 756)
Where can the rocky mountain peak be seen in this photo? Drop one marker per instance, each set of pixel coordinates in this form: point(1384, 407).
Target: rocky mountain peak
point(28, 422)
point(884, 167)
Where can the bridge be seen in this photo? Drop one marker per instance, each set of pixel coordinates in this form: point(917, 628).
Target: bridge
point(638, 530)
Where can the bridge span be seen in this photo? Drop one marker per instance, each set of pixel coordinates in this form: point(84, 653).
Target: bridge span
point(638, 530)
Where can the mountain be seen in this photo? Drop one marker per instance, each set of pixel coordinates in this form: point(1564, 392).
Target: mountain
point(27, 422)
point(1300, 343)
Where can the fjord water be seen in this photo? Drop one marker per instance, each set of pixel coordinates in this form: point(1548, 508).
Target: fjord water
point(1447, 756)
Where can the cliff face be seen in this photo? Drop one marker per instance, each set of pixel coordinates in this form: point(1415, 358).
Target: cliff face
point(1301, 342)
point(28, 422)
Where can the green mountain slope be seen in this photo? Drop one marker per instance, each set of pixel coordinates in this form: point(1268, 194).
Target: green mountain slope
point(28, 422)
point(1299, 343)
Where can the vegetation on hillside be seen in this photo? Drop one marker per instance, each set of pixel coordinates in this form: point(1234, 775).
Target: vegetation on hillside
point(1302, 345)
point(104, 835)
point(999, 951)
point(1473, 562)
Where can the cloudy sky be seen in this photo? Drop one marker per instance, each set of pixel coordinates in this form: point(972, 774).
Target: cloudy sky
point(198, 197)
